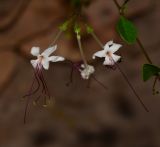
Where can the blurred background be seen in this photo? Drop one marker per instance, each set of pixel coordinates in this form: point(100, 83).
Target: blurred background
point(81, 116)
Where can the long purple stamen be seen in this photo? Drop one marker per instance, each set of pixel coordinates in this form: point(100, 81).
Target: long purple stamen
point(45, 88)
point(130, 85)
point(93, 77)
point(41, 84)
point(71, 77)
point(35, 79)
point(31, 93)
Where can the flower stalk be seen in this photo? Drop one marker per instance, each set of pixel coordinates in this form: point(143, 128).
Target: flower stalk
point(58, 35)
point(78, 36)
point(97, 39)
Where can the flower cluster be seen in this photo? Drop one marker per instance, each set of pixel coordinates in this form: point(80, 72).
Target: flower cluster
point(86, 71)
point(39, 87)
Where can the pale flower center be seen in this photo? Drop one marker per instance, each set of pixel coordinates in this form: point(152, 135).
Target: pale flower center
point(109, 54)
point(40, 58)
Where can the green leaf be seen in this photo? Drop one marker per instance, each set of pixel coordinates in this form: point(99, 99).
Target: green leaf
point(127, 30)
point(149, 71)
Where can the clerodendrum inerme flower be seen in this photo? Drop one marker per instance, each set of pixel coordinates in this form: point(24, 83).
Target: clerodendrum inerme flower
point(108, 53)
point(43, 59)
point(86, 71)
point(39, 87)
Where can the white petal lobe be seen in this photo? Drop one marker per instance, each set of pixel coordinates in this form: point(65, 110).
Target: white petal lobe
point(107, 45)
point(99, 54)
point(115, 47)
point(49, 51)
point(35, 51)
point(108, 61)
point(116, 58)
point(56, 58)
point(45, 63)
point(34, 63)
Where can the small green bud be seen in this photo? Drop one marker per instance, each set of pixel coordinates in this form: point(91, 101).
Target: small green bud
point(77, 29)
point(64, 26)
point(89, 29)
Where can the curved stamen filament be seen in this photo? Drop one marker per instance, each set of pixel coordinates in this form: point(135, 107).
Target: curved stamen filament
point(130, 85)
point(71, 76)
point(35, 79)
point(39, 78)
point(93, 77)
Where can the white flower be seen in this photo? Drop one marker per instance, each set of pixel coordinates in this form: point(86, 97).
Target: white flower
point(108, 53)
point(87, 71)
point(43, 59)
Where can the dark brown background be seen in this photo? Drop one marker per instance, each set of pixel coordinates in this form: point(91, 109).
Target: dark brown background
point(81, 117)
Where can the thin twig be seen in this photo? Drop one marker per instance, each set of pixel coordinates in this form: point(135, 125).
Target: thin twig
point(117, 4)
point(125, 2)
point(144, 51)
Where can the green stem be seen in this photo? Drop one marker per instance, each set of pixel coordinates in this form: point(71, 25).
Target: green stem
point(125, 2)
point(154, 86)
point(97, 39)
point(56, 38)
point(81, 50)
point(144, 51)
point(117, 4)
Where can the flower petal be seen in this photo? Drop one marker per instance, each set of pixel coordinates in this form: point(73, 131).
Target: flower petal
point(56, 58)
point(115, 47)
point(99, 54)
point(45, 63)
point(116, 57)
point(49, 51)
point(34, 63)
point(108, 61)
point(107, 45)
point(35, 51)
